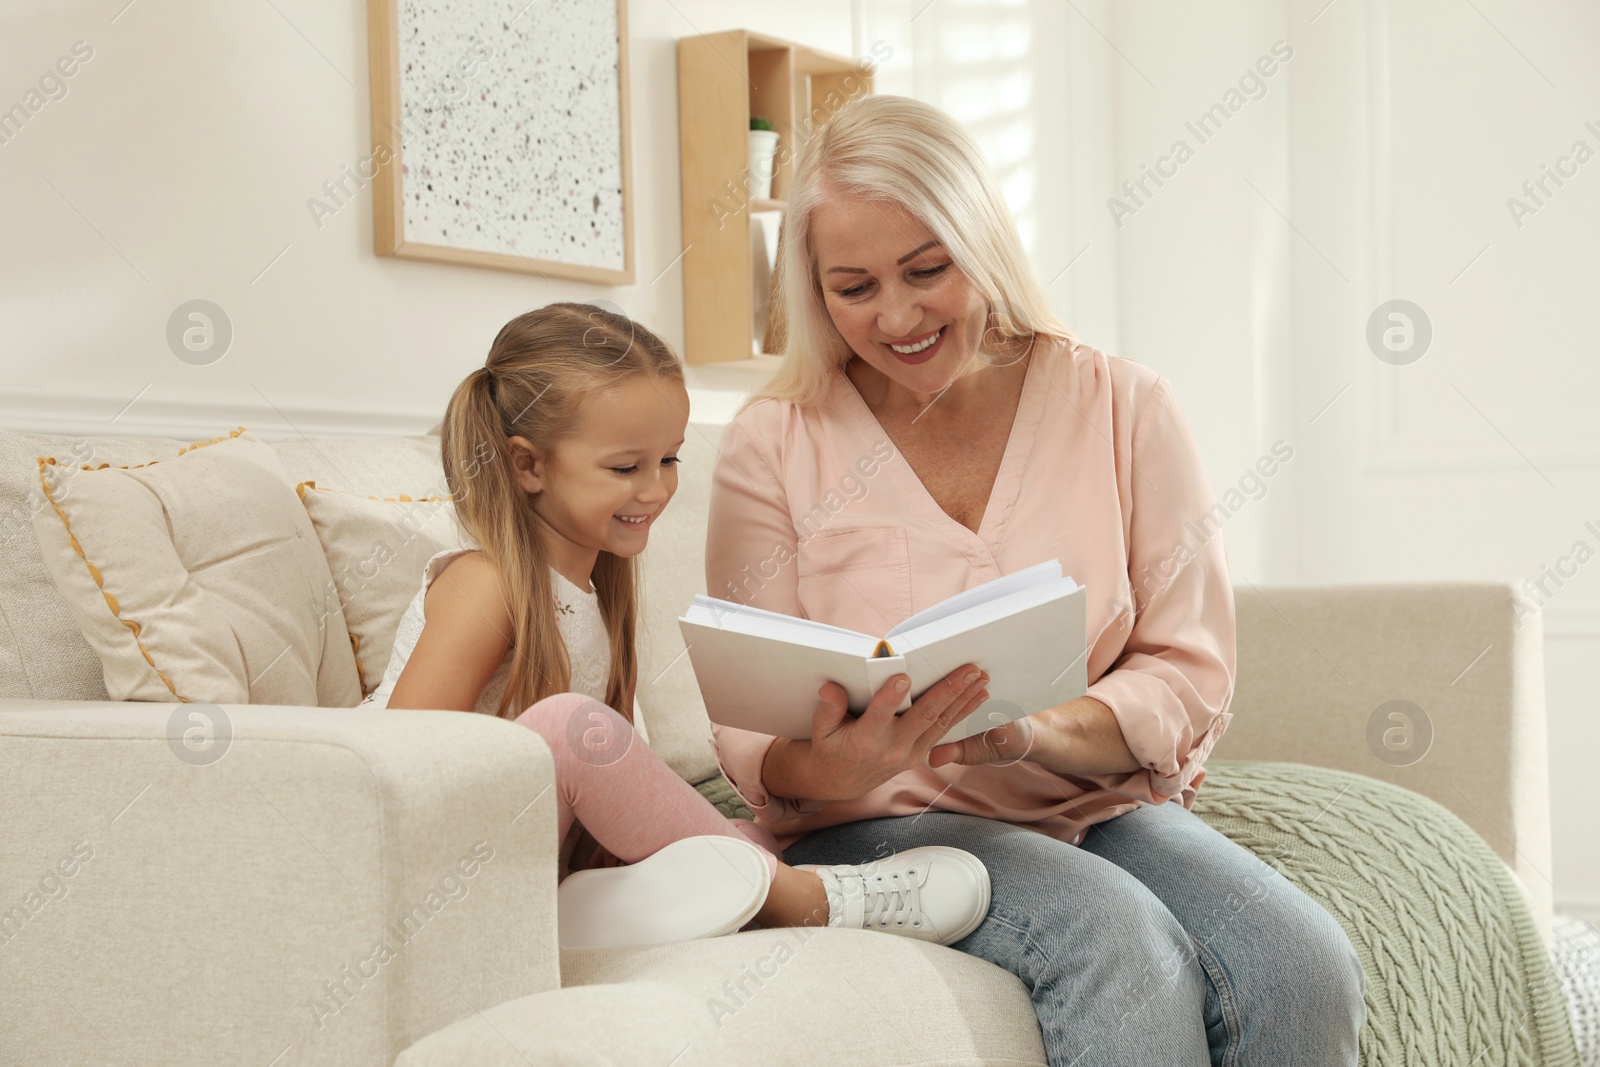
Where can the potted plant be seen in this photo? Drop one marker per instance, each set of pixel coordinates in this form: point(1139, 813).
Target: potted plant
point(763, 149)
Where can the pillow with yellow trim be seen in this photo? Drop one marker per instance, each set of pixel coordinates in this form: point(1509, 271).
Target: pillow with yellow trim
point(377, 548)
point(198, 578)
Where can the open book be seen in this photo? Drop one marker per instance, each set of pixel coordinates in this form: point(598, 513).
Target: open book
point(760, 670)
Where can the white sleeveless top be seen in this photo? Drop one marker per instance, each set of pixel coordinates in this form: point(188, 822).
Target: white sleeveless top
point(577, 616)
point(588, 648)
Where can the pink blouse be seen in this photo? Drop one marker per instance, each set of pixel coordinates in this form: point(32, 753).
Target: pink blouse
point(814, 513)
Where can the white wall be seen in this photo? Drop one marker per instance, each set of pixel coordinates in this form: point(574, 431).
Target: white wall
point(1202, 278)
point(179, 165)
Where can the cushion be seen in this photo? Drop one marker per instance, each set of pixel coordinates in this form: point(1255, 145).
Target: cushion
point(1456, 971)
point(755, 997)
point(381, 466)
point(376, 548)
point(197, 578)
point(1575, 952)
point(42, 654)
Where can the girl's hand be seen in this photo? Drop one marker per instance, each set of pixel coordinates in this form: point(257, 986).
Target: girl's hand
point(849, 756)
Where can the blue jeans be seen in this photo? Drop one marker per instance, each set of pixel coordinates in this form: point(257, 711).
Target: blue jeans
point(1157, 942)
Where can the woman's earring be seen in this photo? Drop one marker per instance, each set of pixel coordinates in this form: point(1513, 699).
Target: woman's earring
point(998, 349)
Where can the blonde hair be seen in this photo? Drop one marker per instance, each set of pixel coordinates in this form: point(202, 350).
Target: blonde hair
point(541, 367)
point(894, 148)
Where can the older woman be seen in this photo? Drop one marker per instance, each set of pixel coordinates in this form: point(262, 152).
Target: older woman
point(933, 426)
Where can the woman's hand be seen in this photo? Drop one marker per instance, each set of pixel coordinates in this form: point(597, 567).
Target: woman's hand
point(1080, 737)
point(1008, 743)
point(848, 757)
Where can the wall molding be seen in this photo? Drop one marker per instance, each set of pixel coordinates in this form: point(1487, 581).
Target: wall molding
point(1582, 905)
point(1387, 448)
point(1568, 622)
point(24, 410)
point(1446, 457)
point(1394, 454)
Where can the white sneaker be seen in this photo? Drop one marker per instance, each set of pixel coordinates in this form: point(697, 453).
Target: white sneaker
point(694, 887)
point(932, 893)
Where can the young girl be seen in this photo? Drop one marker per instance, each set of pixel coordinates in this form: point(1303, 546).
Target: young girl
point(559, 455)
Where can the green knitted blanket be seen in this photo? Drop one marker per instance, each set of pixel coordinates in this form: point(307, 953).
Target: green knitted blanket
point(1457, 975)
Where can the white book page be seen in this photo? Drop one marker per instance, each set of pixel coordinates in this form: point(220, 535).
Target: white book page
point(981, 615)
point(769, 684)
point(1036, 658)
point(726, 615)
point(1038, 574)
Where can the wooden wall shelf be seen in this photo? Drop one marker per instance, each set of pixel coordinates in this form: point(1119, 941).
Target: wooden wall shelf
point(723, 79)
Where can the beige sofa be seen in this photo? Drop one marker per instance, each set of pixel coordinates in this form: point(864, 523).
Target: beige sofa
point(229, 913)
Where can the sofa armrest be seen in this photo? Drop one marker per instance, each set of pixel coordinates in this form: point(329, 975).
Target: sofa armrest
point(337, 885)
point(1318, 664)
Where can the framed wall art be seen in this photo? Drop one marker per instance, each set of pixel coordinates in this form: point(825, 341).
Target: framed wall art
point(500, 135)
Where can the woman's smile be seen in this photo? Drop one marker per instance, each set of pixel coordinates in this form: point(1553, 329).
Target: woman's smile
point(920, 349)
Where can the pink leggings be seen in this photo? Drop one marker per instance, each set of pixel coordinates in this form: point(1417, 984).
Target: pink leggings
point(630, 801)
